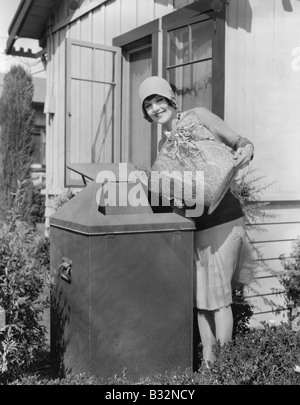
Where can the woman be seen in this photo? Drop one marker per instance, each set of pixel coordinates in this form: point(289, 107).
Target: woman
point(222, 254)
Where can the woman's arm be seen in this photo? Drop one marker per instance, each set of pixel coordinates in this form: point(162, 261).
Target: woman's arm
point(243, 147)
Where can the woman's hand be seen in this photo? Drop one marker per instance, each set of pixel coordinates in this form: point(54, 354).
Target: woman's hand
point(243, 156)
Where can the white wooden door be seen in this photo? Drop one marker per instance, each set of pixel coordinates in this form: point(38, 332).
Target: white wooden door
point(93, 80)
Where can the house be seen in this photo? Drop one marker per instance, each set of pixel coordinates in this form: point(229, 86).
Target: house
point(240, 58)
point(38, 167)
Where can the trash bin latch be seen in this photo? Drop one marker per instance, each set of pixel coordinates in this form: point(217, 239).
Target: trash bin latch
point(65, 269)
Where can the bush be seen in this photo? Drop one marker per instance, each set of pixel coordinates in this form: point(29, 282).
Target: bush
point(17, 126)
point(22, 282)
point(33, 207)
point(290, 279)
point(62, 199)
point(80, 379)
point(248, 190)
point(242, 310)
point(261, 357)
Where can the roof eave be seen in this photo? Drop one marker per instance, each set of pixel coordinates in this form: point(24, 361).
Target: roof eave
point(17, 23)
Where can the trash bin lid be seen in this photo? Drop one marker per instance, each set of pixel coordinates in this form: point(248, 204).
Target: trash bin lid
point(91, 170)
point(81, 214)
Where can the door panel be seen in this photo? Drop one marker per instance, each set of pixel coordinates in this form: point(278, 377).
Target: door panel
point(139, 128)
point(140, 50)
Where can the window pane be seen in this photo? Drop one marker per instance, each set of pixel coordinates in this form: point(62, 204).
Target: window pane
point(179, 46)
point(80, 123)
point(36, 154)
point(97, 64)
point(193, 84)
point(79, 69)
point(104, 66)
point(102, 129)
point(202, 40)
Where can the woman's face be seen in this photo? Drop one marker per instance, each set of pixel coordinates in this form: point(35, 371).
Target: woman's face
point(159, 110)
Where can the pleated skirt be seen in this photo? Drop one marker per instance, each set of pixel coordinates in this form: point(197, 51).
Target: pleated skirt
point(223, 260)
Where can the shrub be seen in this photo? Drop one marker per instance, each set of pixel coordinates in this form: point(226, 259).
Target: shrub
point(17, 125)
point(42, 254)
point(248, 190)
point(261, 357)
point(33, 207)
point(22, 282)
point(290, 279)
point(242, 311)
point(62, 199)
point(80, 379)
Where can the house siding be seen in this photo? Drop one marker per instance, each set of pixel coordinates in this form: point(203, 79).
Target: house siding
point(271, 238)
point(261, 103)
point(262, 89)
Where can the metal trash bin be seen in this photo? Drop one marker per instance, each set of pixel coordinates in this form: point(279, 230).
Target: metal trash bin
point(121, 288)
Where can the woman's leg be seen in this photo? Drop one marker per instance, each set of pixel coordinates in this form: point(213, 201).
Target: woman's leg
point(214, 326)
point(224, 324)
point(216, 257)
point(206, 326)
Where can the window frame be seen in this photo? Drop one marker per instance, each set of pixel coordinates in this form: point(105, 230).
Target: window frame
point(191, 14)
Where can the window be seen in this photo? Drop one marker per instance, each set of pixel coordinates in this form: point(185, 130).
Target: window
point(193, 49)
point(39, 146)
point(189, 64)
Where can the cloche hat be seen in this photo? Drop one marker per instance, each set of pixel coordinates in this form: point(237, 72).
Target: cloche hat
point(156, 85)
